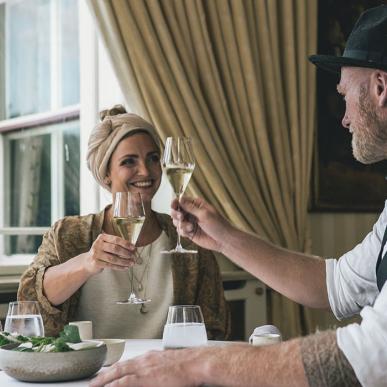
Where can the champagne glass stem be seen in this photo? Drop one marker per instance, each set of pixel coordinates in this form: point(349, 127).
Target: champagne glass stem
point(179, 247)
point(132, 295)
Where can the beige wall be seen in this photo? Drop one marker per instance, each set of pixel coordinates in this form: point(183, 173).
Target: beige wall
point(332, 235)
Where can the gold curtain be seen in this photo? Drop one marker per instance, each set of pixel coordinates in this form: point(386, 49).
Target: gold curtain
point(233, 75)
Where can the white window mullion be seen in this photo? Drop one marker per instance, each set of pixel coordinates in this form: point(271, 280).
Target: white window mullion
point(23, 230)
point(57, 176)
point(88, 51)
point(6, 62)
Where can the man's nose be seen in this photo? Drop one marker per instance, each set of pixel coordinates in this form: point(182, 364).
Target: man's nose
point(345, 121)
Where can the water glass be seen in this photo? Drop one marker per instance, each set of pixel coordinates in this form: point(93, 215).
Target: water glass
point(24, 318)
point(184, 327)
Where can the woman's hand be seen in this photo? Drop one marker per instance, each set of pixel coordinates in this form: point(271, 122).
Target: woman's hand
point(199, 221)
point(109, 251)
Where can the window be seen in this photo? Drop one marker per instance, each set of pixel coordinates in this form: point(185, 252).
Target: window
point(39, 120)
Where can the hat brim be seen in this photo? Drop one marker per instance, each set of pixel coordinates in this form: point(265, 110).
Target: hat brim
point(335, 63)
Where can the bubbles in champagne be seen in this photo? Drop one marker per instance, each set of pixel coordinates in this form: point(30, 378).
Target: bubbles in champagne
point(179, 177)
point(128, 228)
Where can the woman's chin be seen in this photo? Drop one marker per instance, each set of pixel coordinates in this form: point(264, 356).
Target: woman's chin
point(146, 194)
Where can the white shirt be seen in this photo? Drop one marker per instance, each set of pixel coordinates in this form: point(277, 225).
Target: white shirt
point(351, 284)
point(100, 293)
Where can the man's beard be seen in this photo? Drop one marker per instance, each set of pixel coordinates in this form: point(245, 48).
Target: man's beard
point(369, 138)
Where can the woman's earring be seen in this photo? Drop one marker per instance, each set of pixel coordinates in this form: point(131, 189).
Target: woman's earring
point(107, 181)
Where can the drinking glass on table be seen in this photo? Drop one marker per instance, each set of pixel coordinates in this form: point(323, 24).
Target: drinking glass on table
point(184, 327)
point(178, 163)
point(24, 318)
point(128, 219)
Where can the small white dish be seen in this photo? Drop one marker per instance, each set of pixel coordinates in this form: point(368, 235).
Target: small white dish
point(115, 349)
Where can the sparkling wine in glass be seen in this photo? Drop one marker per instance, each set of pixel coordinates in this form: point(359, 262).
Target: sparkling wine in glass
point(184, 328)
point(24, 318)
point(178, 164)
point(128, 219)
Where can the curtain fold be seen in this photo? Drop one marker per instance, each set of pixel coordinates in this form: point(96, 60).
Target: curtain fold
point(233, 75)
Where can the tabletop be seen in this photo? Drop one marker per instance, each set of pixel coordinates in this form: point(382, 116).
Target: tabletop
point(133, 348)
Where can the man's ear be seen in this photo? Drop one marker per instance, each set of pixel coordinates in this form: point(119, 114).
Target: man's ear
point(379, 87)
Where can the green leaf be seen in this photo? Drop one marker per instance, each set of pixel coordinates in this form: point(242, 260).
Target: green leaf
point(70, 334)
point(61, 346)
point(22, 339)
point(4, 340)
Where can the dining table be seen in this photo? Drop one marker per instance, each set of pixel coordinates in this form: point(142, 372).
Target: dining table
point(133, 348)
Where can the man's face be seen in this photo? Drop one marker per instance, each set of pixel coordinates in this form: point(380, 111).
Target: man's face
point(362, 116)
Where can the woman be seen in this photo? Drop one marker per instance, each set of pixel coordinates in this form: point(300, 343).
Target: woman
point(81, 268)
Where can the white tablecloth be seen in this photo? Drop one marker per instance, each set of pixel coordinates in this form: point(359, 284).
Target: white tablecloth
point(133, 348)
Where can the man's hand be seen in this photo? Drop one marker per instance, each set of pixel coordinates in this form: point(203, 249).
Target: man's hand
point(199, 221)
point(156, 368)
point(227, 365)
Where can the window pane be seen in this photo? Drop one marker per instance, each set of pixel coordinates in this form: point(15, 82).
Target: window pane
point(27, 57)
point(69, 52)
point(71, 169)
point(30, 181)
point(28, 194)
point(2, 62)
point(22, 244)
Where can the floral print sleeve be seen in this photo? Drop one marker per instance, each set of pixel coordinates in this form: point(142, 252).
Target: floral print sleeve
point(31, 285)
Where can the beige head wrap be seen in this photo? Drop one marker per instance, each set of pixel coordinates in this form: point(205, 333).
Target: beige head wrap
point(103, 140)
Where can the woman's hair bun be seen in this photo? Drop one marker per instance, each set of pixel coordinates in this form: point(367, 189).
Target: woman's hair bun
point(116, 109)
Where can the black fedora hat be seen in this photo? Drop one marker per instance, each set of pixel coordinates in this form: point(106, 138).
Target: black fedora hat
point(366, 45)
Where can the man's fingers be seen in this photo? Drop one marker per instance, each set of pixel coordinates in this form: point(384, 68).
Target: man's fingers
point(125, 381)
point(115, 372)
point(192, 206)
point(177, 215)
point(187, 229)
point(124, 372)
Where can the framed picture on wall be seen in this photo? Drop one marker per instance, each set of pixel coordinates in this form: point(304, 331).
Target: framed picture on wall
point(340, 183)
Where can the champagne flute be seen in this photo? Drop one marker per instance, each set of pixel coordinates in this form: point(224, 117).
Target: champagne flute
point(178, 164)
point(128, 219)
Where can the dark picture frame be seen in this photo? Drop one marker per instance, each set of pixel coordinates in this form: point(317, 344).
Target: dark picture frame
point(340, 183)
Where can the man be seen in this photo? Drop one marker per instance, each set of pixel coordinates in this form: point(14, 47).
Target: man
point(346, 357)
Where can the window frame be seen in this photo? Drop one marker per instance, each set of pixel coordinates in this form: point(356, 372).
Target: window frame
point(33, 125)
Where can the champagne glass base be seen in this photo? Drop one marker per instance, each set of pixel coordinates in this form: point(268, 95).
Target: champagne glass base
point(179, 251)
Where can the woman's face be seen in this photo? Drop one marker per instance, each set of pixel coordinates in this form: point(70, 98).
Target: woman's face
point(135, 166)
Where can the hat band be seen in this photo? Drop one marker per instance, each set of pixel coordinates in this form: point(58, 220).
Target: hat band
point(369, 56)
